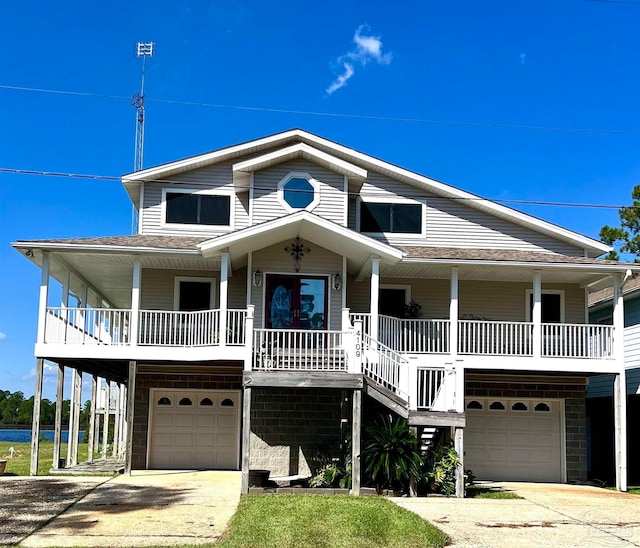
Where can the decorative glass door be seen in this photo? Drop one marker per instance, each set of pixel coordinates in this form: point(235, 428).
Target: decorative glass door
point(296, 302)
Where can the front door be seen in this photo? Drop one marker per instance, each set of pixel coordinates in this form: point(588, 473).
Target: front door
point(296, 302)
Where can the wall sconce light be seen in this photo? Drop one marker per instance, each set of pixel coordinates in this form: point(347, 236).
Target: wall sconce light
point(336, 281)
point(257, 278)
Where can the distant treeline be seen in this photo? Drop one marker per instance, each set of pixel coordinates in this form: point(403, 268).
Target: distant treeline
point(16, 410)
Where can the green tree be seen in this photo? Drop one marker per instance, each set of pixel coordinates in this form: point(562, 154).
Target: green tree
point(626, 237)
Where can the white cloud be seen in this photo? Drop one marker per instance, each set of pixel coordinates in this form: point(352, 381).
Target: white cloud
point(367, 48)
point(3, 336)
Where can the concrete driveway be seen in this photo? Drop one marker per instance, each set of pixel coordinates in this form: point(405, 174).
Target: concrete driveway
point(148, 508)
point(548, 515)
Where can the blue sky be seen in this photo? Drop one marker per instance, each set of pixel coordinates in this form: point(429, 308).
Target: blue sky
point(544, 63)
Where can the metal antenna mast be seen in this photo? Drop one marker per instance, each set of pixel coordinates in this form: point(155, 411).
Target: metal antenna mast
point(144, 50)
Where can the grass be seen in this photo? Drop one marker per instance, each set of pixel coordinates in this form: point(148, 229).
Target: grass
point(479, 492)
point(326, 521)
point(20, 463)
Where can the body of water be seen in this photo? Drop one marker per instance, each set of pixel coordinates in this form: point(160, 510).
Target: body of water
point(24, 436)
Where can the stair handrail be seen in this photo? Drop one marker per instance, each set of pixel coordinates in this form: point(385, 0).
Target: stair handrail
point(388, 374)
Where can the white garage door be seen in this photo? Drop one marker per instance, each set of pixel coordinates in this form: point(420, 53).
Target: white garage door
point(194, 429)
point(514, 440)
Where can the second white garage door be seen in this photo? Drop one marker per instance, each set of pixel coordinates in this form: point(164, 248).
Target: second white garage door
point(194, 429)
point(514, 440)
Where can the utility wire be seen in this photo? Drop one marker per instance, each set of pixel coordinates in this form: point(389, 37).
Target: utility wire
point(111, 178)
point(497, 125)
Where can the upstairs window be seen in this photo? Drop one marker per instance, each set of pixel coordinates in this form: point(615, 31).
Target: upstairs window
point(187, 208)
point(299, 191)
point(391, 217)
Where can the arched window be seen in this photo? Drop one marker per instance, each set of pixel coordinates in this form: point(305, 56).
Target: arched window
point(519, 406)
point(474, 405)
point(206, 402)
point(542, 407)
point(497, 406)
point(227, 402)
point(185, 401)
point(164, 401)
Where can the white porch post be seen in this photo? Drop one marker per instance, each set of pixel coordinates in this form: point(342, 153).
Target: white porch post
point(57, 432)
point(116, 423)
point(356, 436)
point(44, 297)
point(224, 297)
point(248, 338)
point(375, 295)
point(105, 427)
point(73, 442)
point(64, 302)
point(35, 429)
point(619, 388)
point(72, 409)
point(536, 314)
point(92, 419)
point(135, 303)
point(453, 314)
point(246, 439)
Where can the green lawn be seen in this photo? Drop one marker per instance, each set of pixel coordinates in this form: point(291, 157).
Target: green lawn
point(326, 521)
point(479, 492)
point(635, 490)
point(20, 463)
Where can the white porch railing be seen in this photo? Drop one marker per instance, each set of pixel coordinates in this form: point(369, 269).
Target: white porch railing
point(561, 340)
point(430, 384)
point(87, 326)
point(296, 350)
point(235, 327)
point(384, 366)
point(172, 328)
point(495, 338)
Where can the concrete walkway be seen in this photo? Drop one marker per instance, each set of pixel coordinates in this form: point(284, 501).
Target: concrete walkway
point(548, 515)
point(148, 508)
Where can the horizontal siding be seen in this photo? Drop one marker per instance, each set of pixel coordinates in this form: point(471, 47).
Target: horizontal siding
point(157, 287)
point(451, 223)
point(267, 206)
point(632, 346)
point(213, 177)
point(494, 301)
point(318, 262)
point(600, 386)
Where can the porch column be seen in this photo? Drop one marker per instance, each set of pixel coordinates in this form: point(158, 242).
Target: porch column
point(64, 301)
point(105, 427)
point(76, 403)
point(453, 314)
point(44, 297)
point(116, 423)
point(35, 428)
point(224, 297)
point(619, 388)
point(92, 419)
point(248, 337)
point(135, 303)
point(246, 439)
point(82, 304)
point(57, 429)
point(536, 314)
point(375, 293)
point(131, 400)
point(72, 410)
point(356, 421)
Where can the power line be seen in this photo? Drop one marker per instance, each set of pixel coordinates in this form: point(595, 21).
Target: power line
point(372, 117)
point(111, 178)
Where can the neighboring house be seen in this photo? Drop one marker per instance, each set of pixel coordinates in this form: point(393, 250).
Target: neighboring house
point(260, 308)
point(600, 388)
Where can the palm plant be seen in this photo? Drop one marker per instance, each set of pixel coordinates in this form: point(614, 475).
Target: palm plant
point(391, 457)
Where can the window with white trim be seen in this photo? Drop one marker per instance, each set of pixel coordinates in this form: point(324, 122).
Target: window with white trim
point(552, 301)
point(379, 216)
point(193, 293)
point(299, 191)
point(201, 209)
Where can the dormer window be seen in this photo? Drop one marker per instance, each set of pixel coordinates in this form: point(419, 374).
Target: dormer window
point(299, 191)
point(380, 216)
point(188, 207)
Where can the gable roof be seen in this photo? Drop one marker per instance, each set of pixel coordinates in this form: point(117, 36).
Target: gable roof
point(631, 287)
point(132, 181)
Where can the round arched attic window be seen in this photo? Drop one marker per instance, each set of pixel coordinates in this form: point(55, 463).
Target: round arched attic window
point(299, 191)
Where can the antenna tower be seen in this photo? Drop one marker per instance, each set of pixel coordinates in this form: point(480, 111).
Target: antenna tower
point(144, 50)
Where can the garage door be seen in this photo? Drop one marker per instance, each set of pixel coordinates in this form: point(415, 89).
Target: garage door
point(194, 429)
point(514, 440)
